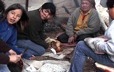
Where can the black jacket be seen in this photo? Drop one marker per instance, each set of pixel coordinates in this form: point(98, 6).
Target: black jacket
point(34, 30)
point(4, 59)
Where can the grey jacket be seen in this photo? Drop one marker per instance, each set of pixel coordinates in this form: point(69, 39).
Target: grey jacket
point(93, 23)
point(108, 46)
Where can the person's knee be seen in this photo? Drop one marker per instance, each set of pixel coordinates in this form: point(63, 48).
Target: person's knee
point(42, 52)
point(79, 46)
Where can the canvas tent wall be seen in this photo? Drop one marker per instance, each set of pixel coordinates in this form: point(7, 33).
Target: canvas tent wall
point(63, 6)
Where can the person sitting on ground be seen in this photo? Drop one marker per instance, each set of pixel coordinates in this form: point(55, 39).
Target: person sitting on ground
point(83, 51)
point(14, 15)
point(32, 37)
point(4, 48)
point(83, 22)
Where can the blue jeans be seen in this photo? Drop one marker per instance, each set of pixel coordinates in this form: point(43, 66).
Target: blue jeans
point(4, 68)
point(81, 52)
point(33, 48)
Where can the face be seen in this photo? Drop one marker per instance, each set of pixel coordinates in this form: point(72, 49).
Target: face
point(45, 14)
point(111, 13)
point(85, 6)
point(14, 16)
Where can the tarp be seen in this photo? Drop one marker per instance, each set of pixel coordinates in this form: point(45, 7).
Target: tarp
point(103, 3)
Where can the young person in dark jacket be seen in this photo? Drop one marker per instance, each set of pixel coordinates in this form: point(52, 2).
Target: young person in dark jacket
point(14, 15)
point(4, 48)
point(33, 37)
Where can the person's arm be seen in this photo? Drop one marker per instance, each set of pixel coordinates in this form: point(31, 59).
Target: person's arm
point(104, 67)
point(4, 59)
point(13, 39)
point(37, 37)
point(71, 22)
point(71, 25)
point(94, 24)
point(36, 34)
point(108, 45)
point(3, 46)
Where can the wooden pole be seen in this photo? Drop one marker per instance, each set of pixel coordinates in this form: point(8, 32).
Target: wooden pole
point(50, 1)
point(27, 3)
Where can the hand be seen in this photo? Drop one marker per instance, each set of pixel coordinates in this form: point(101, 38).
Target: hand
point(71, 39)
point(32, 58)
point(12, 52)
point(104, 67)
point(15, 58)
point(104, 37)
